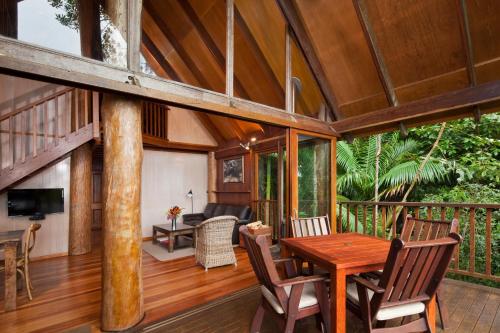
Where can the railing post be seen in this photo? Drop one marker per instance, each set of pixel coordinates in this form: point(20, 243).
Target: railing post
point(356, 218)
point(488, 242)
point(456, 215)
point(384, 221)
point(472, 239)
point(364, 219)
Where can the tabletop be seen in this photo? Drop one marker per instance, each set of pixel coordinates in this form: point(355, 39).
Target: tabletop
point(11, 236)
point(341, 251)
point(178, 227)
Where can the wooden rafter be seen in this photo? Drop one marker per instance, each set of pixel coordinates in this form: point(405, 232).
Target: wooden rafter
point(292, 16)
point(257, 51)
point(480, 94)
point(210, 44)
point(377, 57)
point(165, 65)
point(469, 51)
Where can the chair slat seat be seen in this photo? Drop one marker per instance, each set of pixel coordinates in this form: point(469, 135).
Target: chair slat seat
point(307, 298)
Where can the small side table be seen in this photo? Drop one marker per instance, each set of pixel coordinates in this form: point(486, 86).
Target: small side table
point(171, 233)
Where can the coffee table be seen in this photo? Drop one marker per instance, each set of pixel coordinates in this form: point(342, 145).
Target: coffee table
point(180, 229)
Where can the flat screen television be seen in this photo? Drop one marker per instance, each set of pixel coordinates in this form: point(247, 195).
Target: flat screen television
point(35, 202)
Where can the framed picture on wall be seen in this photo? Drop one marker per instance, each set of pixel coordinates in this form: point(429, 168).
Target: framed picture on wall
point(232, 170)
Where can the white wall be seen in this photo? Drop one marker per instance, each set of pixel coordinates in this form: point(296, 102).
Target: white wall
point(52, 238)
point(166, 179)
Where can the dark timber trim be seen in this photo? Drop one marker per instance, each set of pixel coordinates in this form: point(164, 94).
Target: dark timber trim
point(487, 92)
point(293, 18)
point(469, 51)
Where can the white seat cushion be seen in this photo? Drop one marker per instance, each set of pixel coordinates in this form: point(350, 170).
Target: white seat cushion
point(308, 297)
point(396, 311)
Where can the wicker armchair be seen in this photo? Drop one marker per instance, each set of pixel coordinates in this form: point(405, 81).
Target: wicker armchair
point(213, 242)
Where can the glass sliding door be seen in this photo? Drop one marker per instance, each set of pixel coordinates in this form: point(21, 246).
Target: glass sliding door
point(312, 175)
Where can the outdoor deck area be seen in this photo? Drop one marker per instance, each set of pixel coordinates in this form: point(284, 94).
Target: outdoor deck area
point(67, 297)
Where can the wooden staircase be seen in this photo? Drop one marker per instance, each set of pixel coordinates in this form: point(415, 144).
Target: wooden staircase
point(42, 132)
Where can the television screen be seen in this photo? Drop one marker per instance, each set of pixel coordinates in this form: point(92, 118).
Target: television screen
point(27, 202)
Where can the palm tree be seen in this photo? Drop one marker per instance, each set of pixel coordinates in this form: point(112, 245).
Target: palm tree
point(398, 165)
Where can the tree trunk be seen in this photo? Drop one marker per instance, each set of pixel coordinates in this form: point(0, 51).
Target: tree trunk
point(80, 211)
point(122, 294)
point(424, 162)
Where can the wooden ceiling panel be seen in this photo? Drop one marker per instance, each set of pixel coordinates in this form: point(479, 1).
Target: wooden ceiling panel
point(340, 45)
point(267, 26)
point(488, 71)
point(484, 23)
point(360, 106)
point(418, 39)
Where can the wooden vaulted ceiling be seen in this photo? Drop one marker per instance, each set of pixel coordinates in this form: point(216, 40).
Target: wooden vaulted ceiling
point(372, 54)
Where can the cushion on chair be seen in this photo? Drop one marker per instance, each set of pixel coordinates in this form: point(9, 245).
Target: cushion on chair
point(308, 297)
point(392, 312)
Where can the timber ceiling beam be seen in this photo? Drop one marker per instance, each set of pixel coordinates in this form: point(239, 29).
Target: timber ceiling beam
point(210, 44)
point(469, 51)
point(34, 62)
point(377, 57)
point(480, 94)
point(292, 16)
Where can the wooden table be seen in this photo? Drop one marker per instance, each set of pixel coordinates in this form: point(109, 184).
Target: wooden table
point(11, 242)
point(342, 255)
point(180, 229)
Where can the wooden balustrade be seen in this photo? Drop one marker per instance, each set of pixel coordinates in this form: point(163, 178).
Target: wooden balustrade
point(473, 258)
point(155, 120)
point(267, 212)
point(49, 125)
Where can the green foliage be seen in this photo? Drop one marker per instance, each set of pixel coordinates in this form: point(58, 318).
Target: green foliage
point(399, 162)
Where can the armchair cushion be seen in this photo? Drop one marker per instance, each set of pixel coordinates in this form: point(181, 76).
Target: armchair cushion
point(392, 312)
point(308, 297)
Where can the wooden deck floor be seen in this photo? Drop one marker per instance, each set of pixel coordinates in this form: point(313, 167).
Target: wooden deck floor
point(67, 295)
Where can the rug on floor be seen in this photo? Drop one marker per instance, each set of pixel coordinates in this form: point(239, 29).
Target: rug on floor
point(160, 252)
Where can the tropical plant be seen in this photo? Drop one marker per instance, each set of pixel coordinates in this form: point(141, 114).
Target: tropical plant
point(398, 166)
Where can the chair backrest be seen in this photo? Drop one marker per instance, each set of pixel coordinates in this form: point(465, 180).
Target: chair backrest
point(30, 239)
point(419, 230)
point(260, 258)
point(414, 270)
point(310, 226)
point(219, 228)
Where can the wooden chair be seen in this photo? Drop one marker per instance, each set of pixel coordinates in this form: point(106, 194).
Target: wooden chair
point(214, 245)
point(419, 230)
point(23, 259)
point(411, 277)
point(290, 299)
point(309, 226)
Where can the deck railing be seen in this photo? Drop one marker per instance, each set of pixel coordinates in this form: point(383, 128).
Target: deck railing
point(478, 255)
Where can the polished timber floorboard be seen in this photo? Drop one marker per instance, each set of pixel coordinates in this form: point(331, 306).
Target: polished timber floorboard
point(67, 298)
point(67, 291)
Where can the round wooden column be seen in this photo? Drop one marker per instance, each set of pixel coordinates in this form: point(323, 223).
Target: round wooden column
point(212, 177)
point(80, 198)
point(122, 298)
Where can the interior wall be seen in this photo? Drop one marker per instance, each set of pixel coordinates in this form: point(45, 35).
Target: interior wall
point(166, 179)
point(235, 193)
point(52, 238)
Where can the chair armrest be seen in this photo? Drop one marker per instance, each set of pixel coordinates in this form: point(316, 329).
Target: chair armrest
point(300, 280)
point(368, 284)
point(188, 217)
point(282, 260)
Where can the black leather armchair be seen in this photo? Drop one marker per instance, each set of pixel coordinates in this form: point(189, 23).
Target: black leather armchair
point(242, 212)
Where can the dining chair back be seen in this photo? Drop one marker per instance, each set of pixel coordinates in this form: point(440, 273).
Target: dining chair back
point(287, 299)
point(415, 229)
point(411, 276)
point(310, 226)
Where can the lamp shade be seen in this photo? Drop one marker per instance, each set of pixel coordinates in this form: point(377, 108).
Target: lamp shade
point(190, 194)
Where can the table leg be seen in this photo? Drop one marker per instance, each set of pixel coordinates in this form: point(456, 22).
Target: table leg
point(171, 241)
point(155, 236)
point(431, 313)
point(10, 275)
point(338, 301)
